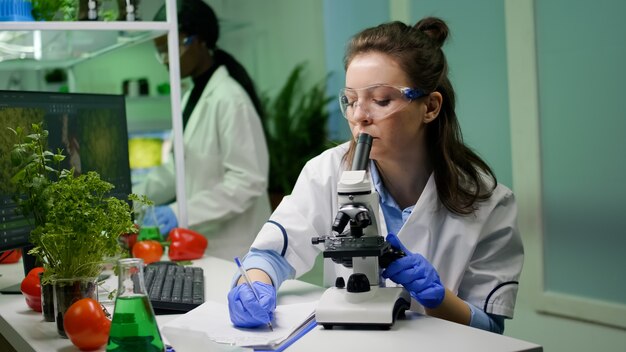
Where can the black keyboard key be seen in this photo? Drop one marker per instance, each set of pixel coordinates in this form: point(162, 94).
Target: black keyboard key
point(157, 284)
point(168, 284)
point(198, 286)
point(150, 271)
point(188, 289)
point(177, 292)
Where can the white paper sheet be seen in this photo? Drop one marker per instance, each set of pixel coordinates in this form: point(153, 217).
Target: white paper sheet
point(211, 321)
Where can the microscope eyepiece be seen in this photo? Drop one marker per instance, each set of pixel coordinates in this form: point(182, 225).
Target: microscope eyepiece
point(362, 152)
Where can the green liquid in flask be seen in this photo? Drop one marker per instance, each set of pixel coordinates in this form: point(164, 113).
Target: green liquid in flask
point(149, 233)
point(134, 327)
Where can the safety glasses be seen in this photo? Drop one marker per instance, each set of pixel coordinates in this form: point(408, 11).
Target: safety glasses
point(162, 54)
point(377, 101)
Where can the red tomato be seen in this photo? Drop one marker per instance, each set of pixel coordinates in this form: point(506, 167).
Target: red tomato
point(31, 289)
point(35, 271)
point(150, 251)
point(11, 256)
point(86, 324)
point(132, 239)
point(129, 240)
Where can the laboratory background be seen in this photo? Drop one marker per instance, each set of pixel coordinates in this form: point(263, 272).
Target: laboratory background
point(540, 96)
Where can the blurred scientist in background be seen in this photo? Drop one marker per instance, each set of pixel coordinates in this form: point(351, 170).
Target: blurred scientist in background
point(226, 158)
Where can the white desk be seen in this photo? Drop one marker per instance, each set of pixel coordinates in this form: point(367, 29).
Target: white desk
point(26, 330)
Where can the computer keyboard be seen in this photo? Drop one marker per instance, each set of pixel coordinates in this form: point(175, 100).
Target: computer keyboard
point(174, 289)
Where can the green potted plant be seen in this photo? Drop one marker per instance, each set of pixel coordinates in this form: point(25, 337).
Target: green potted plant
point(81, 233)
point(295, 128)
point(77, 225)
point(72, 10)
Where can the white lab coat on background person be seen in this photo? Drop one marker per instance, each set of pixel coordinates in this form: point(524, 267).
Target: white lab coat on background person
point(226, 169)
point(478, 257)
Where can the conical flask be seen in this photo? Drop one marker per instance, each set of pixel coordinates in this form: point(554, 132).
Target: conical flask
point(134, 327)
point(148, 224)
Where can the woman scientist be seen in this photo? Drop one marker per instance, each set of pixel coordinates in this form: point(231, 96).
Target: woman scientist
point(439, 201)
point(226, 158)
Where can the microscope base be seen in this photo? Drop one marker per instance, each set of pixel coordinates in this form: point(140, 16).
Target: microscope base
point(377, 308)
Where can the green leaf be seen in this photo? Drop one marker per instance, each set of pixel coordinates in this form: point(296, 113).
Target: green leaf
point(18, 177)
point(34, 136)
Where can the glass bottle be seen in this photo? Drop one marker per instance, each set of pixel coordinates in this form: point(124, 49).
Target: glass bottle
point(127, 10)
point(88, 10)
point(134, 327)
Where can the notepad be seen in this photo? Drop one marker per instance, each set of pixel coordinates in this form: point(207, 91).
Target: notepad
point(211, 322)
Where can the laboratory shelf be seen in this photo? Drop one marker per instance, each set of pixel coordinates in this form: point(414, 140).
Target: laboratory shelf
point(42, 45)
point(82, 40)
point(84, 26)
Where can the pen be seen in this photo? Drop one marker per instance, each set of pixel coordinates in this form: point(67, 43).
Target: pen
point(245, 276)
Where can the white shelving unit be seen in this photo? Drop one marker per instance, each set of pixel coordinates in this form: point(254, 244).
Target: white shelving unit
point(145, 31)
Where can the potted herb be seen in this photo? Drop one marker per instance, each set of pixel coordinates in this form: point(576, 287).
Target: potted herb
point(295, 127)
point(77, 225)
point(81, 233)
point(82, 226)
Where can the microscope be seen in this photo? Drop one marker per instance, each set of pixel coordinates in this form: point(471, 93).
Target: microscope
point(363, 302)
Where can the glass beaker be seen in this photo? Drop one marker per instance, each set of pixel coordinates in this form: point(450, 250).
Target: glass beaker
point(134, 327)
point(69, 290)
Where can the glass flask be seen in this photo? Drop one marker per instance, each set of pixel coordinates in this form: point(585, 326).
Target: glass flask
point(134, 327)
point(148, 225)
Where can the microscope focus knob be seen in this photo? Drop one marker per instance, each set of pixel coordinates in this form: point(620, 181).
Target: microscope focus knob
point(358, 283)
point(340, 282)
point(318, 240)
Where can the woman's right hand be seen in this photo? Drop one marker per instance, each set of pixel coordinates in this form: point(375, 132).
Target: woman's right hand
point(248, 312)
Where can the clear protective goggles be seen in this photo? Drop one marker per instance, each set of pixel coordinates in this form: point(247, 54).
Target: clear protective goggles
point(377, 101)
point(162, 54)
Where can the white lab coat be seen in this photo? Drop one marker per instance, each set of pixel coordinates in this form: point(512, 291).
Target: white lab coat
point(226, 169)
point(479, 257)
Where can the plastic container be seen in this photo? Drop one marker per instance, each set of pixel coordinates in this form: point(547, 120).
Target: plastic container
point(15, 10)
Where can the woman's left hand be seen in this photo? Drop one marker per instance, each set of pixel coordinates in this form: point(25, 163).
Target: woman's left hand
point(416, 274)
point(166, 219)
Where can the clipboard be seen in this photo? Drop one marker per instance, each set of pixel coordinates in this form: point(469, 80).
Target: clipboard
point(307, 326)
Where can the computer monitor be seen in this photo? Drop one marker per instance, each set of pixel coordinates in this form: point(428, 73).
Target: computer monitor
point(91, 130)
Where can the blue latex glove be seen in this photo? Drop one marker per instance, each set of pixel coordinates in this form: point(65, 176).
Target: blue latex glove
point(166, 219)
point(416, 274)
point(246, 311)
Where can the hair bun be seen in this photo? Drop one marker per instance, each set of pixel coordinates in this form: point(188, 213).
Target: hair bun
point(435, 28)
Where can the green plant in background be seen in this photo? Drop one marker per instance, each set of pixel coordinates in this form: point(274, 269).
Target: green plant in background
point(296, 129)
point(50, 10)
point(67, 10)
